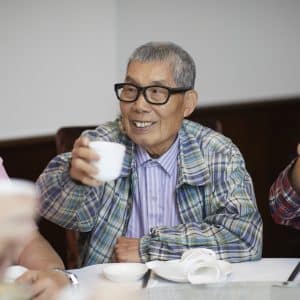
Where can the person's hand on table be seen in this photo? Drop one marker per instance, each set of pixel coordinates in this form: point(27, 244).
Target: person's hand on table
point(44, 285)
point(81, 168)
point(127, 250)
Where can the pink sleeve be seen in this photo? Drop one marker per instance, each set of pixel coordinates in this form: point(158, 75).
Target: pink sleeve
point(284, 201)
point(3, 174)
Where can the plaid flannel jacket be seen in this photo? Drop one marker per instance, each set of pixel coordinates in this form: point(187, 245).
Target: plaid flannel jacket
point(284, 201)
point(214, 195)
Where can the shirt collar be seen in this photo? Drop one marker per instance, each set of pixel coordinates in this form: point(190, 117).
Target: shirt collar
point(167, 161)
point(192, 168)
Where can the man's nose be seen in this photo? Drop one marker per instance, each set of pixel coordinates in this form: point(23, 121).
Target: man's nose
point(141, 103)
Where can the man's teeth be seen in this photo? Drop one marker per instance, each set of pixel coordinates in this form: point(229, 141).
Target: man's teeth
point(142, 124)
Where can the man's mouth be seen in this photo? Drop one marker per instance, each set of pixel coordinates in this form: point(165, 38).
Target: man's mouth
point(142, 124)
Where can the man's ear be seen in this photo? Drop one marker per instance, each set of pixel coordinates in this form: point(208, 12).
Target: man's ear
point(190, 102)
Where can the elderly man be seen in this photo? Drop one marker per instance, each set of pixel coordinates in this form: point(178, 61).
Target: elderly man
point(182, 185)
point(285, 195)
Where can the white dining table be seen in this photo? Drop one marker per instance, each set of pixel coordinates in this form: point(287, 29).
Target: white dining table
point(266, 269)
point(248, 280)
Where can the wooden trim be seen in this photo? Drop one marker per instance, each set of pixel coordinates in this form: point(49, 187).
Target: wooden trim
point(26, 141)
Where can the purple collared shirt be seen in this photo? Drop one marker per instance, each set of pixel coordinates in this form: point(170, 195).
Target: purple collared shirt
point(154, 197)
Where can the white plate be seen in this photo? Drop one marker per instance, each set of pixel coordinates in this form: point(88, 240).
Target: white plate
point(124, 272)
point(173, 269)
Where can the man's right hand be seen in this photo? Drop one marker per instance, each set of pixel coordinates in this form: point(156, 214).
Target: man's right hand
point(82, 168)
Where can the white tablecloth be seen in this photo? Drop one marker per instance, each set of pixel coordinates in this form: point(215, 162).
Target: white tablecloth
point(249, 280)
point(266, 269)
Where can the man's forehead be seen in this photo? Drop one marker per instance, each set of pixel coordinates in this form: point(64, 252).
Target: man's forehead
point(164, 64)
point(130, 79)
point(156, 72)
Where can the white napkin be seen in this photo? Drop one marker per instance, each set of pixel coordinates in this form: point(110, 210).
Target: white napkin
point(201, 266)
point(198, 265)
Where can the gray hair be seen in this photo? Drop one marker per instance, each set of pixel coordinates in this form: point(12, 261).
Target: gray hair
point(184, 69)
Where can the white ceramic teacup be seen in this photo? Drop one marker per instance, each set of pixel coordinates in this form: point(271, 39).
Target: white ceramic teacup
point(111, 159)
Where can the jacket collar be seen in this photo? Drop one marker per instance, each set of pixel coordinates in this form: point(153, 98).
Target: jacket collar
point(192, 168)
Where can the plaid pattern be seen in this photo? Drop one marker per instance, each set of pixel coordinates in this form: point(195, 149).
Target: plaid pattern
point(214, 195)
point(284, 201)
point(3, 174)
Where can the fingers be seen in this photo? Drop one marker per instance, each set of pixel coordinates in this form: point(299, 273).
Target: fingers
point(44, 285)
point(84, 178)
point(82, 168)
point(127, 255)
point(82, 141)
point(82, 150)
point(127, 250)
point(80, 165)
point(122, 240)
point(43, 289)
point(39, 290)
point(28, 277)
point(90, 181)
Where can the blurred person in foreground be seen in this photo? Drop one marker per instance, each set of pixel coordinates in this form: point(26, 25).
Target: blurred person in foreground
point(182, 185)
point(284, 197)
point(20, 241)
point(3, 174)
point(18, 209)
point(19, 201)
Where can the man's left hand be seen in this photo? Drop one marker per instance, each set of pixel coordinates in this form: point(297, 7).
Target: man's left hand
point(127, 250)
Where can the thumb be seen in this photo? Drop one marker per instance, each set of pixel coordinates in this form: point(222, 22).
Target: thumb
point(28, 277)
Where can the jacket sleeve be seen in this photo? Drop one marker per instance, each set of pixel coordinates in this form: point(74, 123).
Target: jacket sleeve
point(3, 174)
point(230, 224)
point(284, 201)
point(65, 202)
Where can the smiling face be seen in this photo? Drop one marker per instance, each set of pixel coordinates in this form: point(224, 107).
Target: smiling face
point(155, 127)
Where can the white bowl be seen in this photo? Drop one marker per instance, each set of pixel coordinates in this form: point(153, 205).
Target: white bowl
point(124, 272)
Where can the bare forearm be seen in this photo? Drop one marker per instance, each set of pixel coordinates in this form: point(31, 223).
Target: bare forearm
point(38, 254)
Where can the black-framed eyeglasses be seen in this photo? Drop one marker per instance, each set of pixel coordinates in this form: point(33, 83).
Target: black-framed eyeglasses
point(154, 94)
